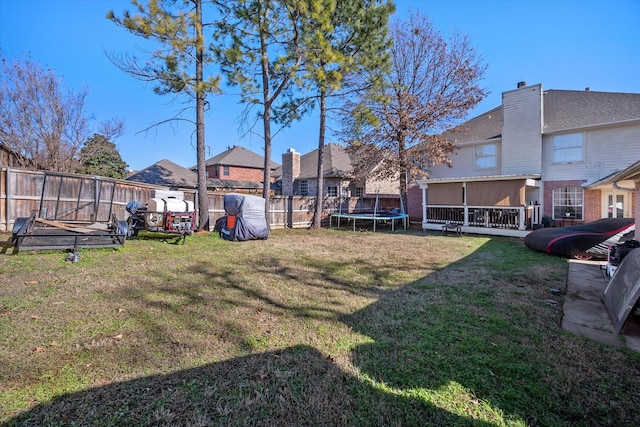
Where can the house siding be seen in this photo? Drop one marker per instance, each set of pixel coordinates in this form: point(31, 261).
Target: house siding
point(522, 131)
point(606, 151)
point(464, 165)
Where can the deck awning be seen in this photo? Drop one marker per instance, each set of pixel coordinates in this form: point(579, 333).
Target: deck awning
point(502, 190)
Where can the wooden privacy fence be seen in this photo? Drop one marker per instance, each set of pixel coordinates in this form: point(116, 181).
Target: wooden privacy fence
point(91, 198)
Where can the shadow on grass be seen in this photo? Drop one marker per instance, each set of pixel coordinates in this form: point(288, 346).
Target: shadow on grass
point(429, 345)
point(292, 387)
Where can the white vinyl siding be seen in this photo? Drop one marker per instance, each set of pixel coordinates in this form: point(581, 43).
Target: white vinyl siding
point(603, 150)
point(522, 130)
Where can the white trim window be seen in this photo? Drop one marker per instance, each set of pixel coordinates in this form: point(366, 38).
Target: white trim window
point(568, 148)
point(486, 156)
point(332, 191)
point(359, 192)
point(568, 203)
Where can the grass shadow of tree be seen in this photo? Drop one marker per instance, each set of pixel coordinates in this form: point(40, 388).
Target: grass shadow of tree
point(295, 386)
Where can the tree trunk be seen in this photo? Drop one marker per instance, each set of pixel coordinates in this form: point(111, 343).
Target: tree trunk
point(203, 198)
point(266, 122)
point(317, 215)
point(403, 171)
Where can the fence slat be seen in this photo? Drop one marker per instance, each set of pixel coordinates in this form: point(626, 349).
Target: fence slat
point(92, 198)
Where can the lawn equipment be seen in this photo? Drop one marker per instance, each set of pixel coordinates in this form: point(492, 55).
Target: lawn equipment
point(167, 213)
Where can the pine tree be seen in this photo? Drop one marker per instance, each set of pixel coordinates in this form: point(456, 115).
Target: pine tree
point(99, 156)
point(177, 65)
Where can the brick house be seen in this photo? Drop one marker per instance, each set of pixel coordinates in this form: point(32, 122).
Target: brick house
point(169, 174)
point(238, 164)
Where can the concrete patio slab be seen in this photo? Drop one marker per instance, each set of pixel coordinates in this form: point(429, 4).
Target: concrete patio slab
point(585, 313)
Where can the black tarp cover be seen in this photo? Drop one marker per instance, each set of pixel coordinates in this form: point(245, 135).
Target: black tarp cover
point(591, 239)
point(245, 218)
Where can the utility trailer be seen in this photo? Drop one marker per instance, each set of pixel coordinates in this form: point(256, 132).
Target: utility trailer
point(70, 223)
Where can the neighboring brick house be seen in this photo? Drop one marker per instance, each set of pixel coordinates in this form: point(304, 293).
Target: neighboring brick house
point(238, 163)
point(542, 155)
point(298, 176)
point(167, 173)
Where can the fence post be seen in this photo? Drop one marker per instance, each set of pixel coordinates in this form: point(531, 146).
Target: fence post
point(7, 205)
point(289, 212)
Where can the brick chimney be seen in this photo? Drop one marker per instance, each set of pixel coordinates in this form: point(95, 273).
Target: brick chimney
point(290, 171)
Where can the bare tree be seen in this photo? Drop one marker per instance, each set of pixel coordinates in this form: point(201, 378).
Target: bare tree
point(432, 84)
point(44, 123)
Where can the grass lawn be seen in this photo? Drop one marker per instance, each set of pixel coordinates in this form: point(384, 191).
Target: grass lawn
point(307, 328)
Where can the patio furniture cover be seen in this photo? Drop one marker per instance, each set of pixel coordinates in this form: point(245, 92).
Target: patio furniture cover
point(245, 218)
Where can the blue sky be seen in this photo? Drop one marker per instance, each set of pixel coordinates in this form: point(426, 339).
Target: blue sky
point(563, 44)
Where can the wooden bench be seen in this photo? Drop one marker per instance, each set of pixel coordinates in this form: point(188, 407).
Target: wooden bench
point(452, 227)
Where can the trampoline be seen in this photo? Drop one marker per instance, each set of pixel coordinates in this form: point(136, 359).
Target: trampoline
point(385, 217)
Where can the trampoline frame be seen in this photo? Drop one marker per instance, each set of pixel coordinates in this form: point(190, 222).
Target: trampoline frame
point(375, 217)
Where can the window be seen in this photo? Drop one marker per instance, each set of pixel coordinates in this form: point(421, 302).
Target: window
point(615, 207)
point(303, 186)
point(567, 203)
point(567, 148)
point(487, 156)
point(225, 170)
point(359, 192)
point(332, 191)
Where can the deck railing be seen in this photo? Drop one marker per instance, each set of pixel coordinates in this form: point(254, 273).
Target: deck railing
point(511, 218)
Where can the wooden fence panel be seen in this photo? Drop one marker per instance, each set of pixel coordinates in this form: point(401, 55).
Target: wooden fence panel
point(90, 198)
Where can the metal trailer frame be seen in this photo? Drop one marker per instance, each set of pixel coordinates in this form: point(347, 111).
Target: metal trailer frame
point(42, 232)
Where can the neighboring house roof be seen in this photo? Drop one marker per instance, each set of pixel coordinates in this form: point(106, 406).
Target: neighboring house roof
point(169, 174)
point(335, 160)
point(563, 110)
point(571, 109)
point(239, 156)
point(166, 173)
point(483, 127)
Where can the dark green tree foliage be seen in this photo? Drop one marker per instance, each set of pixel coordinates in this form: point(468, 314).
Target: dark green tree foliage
point(99, 156)
point(343, 38)
point(260, 51)
point(177, 65)
point(432, 84)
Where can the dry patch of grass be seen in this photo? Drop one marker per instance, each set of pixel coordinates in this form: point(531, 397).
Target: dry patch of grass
point(321, 327)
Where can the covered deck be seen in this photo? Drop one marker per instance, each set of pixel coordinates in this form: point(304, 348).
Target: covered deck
point(498, 205)
point(500, 221)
